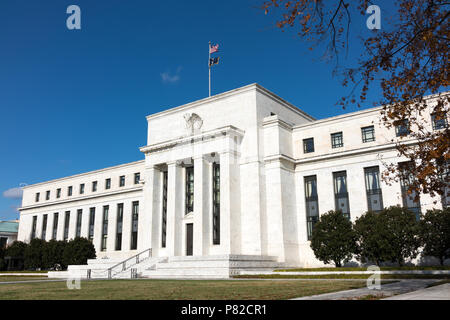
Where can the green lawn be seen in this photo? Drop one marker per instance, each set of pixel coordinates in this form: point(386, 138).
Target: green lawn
point(344, 276)
point(21, 278)
point(407, 268)
point(175, 289)
point(24, 271)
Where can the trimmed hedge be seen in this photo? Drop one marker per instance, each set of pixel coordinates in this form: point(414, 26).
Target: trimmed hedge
point(392, 235)
point(51, 255)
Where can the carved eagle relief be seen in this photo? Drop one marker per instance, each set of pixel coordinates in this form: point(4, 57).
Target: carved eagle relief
point(193, 122)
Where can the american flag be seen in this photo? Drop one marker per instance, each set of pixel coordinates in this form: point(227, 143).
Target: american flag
point(213, 49)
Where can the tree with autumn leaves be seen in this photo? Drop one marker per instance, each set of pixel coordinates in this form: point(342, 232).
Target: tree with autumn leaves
point(408, 58)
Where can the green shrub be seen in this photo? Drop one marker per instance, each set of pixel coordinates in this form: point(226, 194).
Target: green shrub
point(16, 250)
point(370, 241)
point(390, 235)
point(333, 238)
point(435, 234)
point(78, 251)
point(52, 256)
point(2, 261)
point(33, 254)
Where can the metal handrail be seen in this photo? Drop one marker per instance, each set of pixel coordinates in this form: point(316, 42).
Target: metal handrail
point(124, 263)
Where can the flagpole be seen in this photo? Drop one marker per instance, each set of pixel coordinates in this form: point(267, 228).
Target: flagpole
point(209, 67)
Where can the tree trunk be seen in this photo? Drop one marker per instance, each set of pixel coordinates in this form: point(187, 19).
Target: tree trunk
point(441, 260)
point(337, 264)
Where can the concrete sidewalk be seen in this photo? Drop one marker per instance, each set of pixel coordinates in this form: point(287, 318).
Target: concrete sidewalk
point(441, 292)
point(387, 290)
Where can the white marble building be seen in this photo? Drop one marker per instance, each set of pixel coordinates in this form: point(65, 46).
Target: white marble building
point(234, 177)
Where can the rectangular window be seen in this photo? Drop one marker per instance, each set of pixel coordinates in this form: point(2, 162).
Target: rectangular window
point(402, 128)
point(108, 184)
point(368, 134)
point(337, 140)
point(134, 225)
point(44, 227)
point(33, 228)
point(439, 121)
point(58, 193)
point(137, 178)
point(105, 227)
point(373, 189)
point(341, 193)
point(312, 204)
point(47, 195)
point(37, 197)
point(119, 226)
point(189, 189)
point(55, 225)
point(216, 202)
point(69, 191)
point(409, 197)
point(308, 145)
point(82, 188)
point(94, 186)
point(91, 223)
point(164, 211)
point(66, 225)
point(122, 181)
point(79, 220)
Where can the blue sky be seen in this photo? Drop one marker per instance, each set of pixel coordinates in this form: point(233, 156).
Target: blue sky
point(76, 100)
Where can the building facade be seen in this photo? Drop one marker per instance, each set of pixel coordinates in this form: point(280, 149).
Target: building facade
point(8, 232)
point(243, 173)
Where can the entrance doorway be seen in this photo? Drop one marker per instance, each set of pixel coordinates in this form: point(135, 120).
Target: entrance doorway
point(189, 239)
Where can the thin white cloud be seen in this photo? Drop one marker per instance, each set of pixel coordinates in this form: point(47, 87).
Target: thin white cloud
point(167, 77)
point(13, 193)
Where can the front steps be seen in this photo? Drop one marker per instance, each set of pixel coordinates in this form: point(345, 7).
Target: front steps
point(210, 267)
point(178, 267)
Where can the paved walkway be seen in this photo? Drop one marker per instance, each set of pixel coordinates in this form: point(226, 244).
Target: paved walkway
point(387, 290)
point(441, 292)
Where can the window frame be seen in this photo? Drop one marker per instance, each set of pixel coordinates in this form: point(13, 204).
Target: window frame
point(337, 140)
point(311, 219)
point(308, 142)
point(107, 183)
point(364, 132)
point(164, 210)
point(189, 189)
point(400, 133)
point(434, 121)
point(216, 202)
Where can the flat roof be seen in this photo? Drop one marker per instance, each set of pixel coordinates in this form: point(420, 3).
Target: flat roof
point(253, 86)
point(9, 226)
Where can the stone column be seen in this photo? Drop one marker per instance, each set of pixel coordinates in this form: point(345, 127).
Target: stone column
point(230, 225)
point(98, 224)
point(202, 188)
point(72, 223)
point(126, 226)
point(112, 228)
point(148, 211)
point(175, 209)
point(85, 222)
point(60, 231)
point(39, 221)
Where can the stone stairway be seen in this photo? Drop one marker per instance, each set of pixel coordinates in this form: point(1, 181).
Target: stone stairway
point(208, 267)
point(144, 265)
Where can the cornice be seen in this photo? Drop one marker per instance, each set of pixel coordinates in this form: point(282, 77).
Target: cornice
point(82, 198)
point(130, 164)
point(207, 135)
